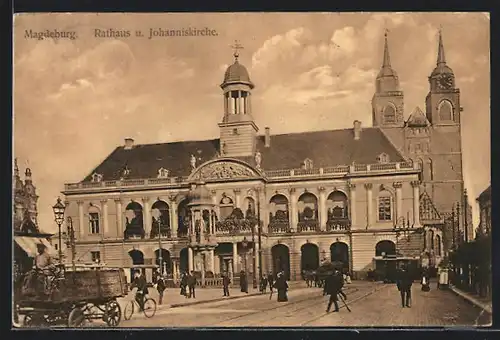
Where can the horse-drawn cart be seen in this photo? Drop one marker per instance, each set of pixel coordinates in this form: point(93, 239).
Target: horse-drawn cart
point(73, 298)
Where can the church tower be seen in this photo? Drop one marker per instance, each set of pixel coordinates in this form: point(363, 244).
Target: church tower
point(387, 102)
point(237, 130)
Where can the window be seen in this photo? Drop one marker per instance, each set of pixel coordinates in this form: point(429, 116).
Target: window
point(383, 158)
point(445, 111)
point(308, 164)
point(226, 207)
point(384, 206)
point(96, 256)
point(94, 223)
point(389, 114)
point(96, 177)
point(162, 173)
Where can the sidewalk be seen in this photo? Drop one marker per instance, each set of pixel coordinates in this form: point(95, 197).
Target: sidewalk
point(483, 303)
point(173, 299)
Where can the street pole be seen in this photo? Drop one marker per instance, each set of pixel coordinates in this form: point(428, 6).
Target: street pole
point(259, 234)
point(71, 232)
point(160, 255)
point(60, 243)
point(253, 259)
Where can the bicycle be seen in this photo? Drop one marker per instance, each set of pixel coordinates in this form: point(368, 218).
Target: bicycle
point(149, 308)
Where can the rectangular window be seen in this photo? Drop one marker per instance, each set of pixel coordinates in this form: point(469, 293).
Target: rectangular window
point(94, 223)
point(384, 209)
point(96, 256)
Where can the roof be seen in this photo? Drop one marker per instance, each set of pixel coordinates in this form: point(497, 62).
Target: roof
point(428, 211)
point(237, 73)
point(287, 151)
point(417, 119)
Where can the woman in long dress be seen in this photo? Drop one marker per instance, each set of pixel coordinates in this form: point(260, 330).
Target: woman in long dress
point(282, 287)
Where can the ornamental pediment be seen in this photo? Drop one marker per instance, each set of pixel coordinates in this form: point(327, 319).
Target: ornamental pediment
point(223, 170)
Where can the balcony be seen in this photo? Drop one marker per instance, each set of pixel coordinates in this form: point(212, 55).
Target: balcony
point(134, 232)
point(308, 226)
point(233, 227)
point(279, 226)
point(338, 224)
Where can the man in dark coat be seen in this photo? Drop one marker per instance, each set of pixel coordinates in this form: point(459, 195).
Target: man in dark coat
point(270, 279)
point(183, 284)
point(333, 287)
point(282, 287)
point(160, 286)
point(404, 282)
point(142, 288)
point(263, 284)
point(226, 281)
point(191, 281)
point(243, 282)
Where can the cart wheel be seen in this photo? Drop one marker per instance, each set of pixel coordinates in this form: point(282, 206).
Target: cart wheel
point(113, 313)
point(129, 310)
point(149, 308)
point(76, 318)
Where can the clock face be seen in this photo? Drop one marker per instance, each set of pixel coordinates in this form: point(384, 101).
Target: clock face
point(445, 82)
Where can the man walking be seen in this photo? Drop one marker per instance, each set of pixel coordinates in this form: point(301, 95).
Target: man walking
point(263, 284)
point(270, 279)
point(333, 287)
point(404, 283)
point(191, 281)
point(243, 282)
point(160, 286)
point(226, 281)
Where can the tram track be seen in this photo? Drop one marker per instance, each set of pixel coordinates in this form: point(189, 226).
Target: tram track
point(314, 299)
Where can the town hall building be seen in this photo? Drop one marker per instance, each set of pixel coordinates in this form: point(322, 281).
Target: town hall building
point(363, 197)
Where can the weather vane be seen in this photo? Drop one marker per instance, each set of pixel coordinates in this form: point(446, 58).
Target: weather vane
point(237, 46)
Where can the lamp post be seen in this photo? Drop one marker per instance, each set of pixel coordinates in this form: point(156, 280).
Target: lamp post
point(244, 245)
point(254, 274)
point(71, 232)
point(58, 209)
point(259, 234)
point(157, 214)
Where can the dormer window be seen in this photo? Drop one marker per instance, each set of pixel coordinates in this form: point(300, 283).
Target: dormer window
point(96, 177)
point(125, 171)
point(308, 164)
point(383, 158)
point(163, 173)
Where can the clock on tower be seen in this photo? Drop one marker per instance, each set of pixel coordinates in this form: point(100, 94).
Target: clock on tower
point(444, 82)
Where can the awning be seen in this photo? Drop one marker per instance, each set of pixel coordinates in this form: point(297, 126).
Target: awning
point(28, 244)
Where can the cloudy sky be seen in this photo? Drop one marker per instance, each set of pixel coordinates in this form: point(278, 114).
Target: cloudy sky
point(76, 100)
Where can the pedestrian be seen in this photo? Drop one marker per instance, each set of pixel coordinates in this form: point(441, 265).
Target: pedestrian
point(160, 286)
point(425, 280)
point(282, 287)
point(263, 284)
point(404, 283)
point(184, 278)
point(243, 282)
point(226, 281)
point(270, 280)
point(142, 289)
point(333, 287)
point(191, 281)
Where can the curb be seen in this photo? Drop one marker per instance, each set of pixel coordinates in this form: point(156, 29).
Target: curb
point(472, 300)
point(176, 305)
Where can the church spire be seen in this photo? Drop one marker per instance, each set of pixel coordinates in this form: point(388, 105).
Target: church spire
point(387, 58)
point(440, 57)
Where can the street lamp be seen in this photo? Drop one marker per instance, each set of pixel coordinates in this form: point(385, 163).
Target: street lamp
point(244, 244)
point(58, 209)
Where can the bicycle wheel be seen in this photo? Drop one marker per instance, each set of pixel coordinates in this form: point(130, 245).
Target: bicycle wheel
point(128, 310)
point(149, 307)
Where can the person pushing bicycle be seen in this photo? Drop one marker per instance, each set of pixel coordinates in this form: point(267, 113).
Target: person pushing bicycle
point(142, 288)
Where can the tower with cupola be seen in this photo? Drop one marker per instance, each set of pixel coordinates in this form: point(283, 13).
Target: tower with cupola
point(238, 130)
point(388, 99)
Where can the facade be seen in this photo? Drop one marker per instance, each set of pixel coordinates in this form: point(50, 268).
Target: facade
point(24, 220)
point(364, 197)
point(484, 201)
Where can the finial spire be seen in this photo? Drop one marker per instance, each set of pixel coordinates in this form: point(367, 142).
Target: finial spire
point(237, 46)
point(440, 58)
point(387, 58)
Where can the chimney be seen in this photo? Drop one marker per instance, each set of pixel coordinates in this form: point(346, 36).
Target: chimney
point(357, 129)
point(129, 143)
point(267, 138)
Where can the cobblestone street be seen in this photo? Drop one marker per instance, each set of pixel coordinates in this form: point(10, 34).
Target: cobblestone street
point(372, 304)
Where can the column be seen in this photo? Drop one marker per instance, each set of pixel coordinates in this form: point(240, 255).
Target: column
point(235, 257)
point(237, 198)
point(225, 103)
point(119, 218)
point(416, 203)
point(104, 209)
point(174, 269)
point(173, 216)
point(352, 203)
point(212, 261)
point(399, 202)
point(82, 223)
point(238, 103)
point(369, 204)
point(256, 260)
point(249, 102)
point(293, 209)
point(322, 208)
point(190, 259)
point(147, 216)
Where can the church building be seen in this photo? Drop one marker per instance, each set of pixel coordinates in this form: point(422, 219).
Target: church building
point(364, 197)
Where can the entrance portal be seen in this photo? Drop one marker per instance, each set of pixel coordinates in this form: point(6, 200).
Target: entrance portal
point(281, 259)
point(309, 259)
point(339, 252)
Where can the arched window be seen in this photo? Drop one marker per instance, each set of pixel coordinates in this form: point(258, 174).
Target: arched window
point(438, 245)
point(389, 114)
point(308, 164)
point(250, 211)
point(336, 204)
point(278, 211)
point(445, 111)
point(421, 167)
point(94, 214)
point(383, 158)
point(385, 206)
point(431, 169)
point(226, 207)
point(308, 207)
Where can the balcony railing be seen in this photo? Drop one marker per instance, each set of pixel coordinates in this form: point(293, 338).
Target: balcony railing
point(333, 171)
point(338, 224)
point(308, 226)
point(279, 226)
point(233, 227)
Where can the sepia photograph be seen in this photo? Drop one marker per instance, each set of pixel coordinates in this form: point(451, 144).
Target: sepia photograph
point(251, 170)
